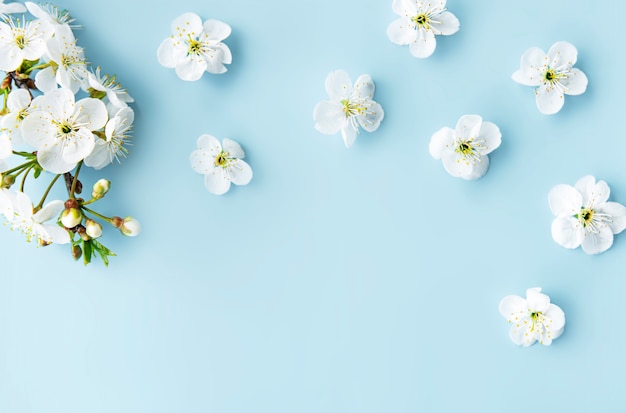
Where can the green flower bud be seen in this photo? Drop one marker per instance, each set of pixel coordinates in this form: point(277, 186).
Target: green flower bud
point(71, 217)
point(100, 188)
point(94, 230)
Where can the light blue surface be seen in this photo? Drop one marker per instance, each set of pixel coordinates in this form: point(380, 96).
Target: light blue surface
point(362, 280)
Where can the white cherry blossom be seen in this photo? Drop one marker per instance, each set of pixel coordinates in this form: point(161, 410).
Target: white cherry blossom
point(116, 136)
point(35, 224)
point(18, 105)
point(195, 47)
point(220, 164)
point(584, 216)
point(60, 129)
point(113, 91)
point(70, 65)
point(21, 40)
point(532, 319)
point(50, 15)
point(349, 108)
point(419, 23)
point(552, 74)
point(463, 150)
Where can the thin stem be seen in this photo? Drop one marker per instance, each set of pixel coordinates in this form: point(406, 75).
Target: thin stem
point(40, 66)
point(24, 178)
point(45, 195)
point(75, 181)
point(91, 211)
point(19, 167)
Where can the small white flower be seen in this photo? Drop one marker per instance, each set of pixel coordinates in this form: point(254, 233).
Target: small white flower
point(532, 319)
point(418, 24)
point(51, 15)
point(35, 225)
point(463, 151)
point(107, 85)
point(348, 108)
point(584, 217)
point(116, 138)
point(220, 164)
point(553, 75)
point(61, 129)
point(8, 8)
point(194, 47)
point(20, 40)
point(70, 68)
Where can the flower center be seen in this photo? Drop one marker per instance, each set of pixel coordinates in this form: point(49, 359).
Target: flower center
point(66, 128)
point(194, 46)
point(222, 160)
point(20, 41)
point(421, 20)
point(469, 150)
point(352, 108)
point(593, 220)
point(586, 216)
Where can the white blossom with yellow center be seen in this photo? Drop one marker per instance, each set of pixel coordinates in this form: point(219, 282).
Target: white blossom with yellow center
point(195, 47)
point(552, 74)
point(584, 216)
point(349, 108)
point(419, 23)
point(21, 40)
point(532, 319)
point(220, 164)
point(463, 150)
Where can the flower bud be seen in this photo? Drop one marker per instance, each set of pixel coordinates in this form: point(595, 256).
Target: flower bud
point(7, 181)
point(100, 188)
point(77, 252)
point(131, 227)
point(70, 217)
point(82, 232)
point(94, 230)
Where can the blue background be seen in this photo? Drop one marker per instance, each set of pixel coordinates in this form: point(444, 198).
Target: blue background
point(340, 280)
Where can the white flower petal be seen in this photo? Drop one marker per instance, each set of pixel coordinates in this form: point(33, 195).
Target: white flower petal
point(520, 333)
point(549, 100)
point(440, 141)
point(593, 193)
point(215, 61)
point(78, 146)
point(404, 7)
point(233, 148)
point(217, 181)
point(338, 85)
point(38, 129)
point(55, 234)
point(51, 159)
point(46, 80)
point(202, 161)
point(479, 169)
point(446, 23)
point(597, 242)
point(468, 126)
point(531, 67)
point(457, 167)
point(364, 88)
point(329, 117)
point(91, 113)
point(618, 216)
point(370, 121)
point(240, 172)
point(349, 134)
point(168, 54)
point(575, 83)
point(513, 308)
point(9, 8)
point(209, 143)
point(191, 68)
point(187, 24)
point(562, 54)
point(401, 32)
point(216, 30)
point(565, 200)
point(18, 99)
point(424, 45)
point(491, 134)
point(556, 320)
point(50, 211)
point(537, 302)
point(567, 232)
point(6, 147)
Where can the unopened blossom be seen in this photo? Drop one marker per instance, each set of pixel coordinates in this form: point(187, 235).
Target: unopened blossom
point(463, 150)
point(552, 74)
point(61, 129)
point(419, 23)
point(195, 47)
point(21, 40)
point(533, 318)
point(349, 107)
point(130, 227)
point(40, 225)
point(70, 65)
point(113, 145)
point(584, 215)
point(220, 164)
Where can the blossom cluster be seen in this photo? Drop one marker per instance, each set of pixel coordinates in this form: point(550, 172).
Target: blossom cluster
point(60, 114)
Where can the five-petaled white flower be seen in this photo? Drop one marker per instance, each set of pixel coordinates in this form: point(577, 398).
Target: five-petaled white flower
point(220, 164)
point(116, 136)
point(553, 75)
point(463, 151)
point(533, 319)
point(584, 217)
point(50, 15)
point(21, 40)
point(420, 21)
point(18, 103)
point(108, 87)
point(194, 47)
point(348, 108)
point(18, 209)
point(60, 129)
